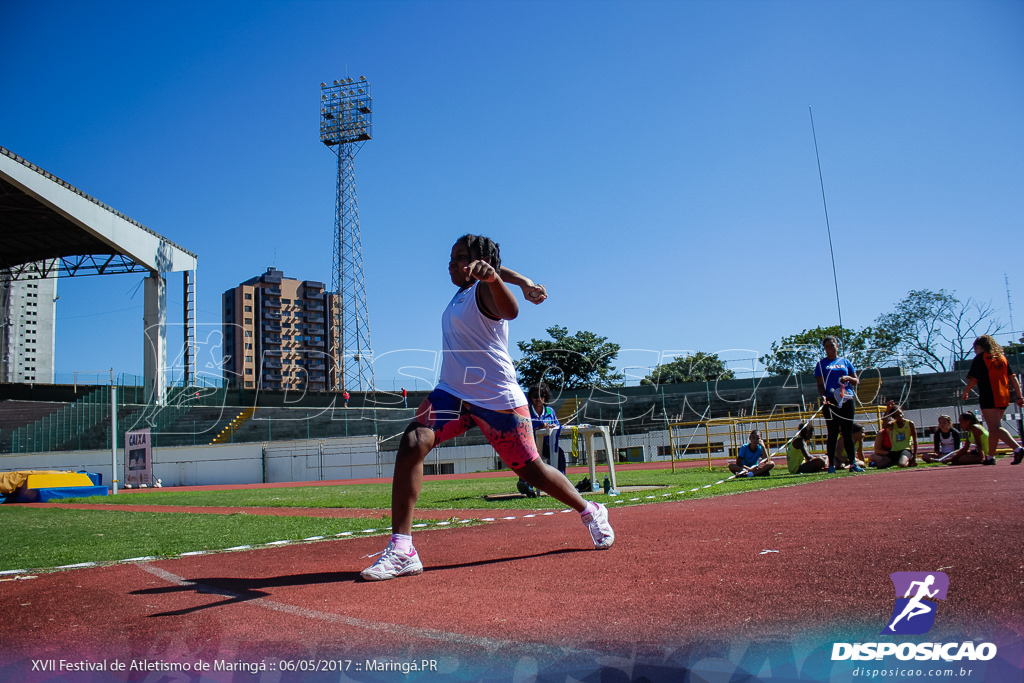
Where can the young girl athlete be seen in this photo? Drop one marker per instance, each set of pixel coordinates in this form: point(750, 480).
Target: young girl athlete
point(477, 386)
point(990, 372)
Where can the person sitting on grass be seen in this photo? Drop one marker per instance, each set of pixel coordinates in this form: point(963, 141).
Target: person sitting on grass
point(901, 435)
point(946, 441)
point(882, 445)
point(974, 446)
point(752, 458)
point(798, 459)
point(858, 448)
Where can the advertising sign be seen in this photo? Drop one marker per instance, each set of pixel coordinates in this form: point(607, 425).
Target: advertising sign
point(138, 458)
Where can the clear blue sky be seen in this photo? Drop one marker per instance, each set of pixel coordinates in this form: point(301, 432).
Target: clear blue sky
point(652, 163)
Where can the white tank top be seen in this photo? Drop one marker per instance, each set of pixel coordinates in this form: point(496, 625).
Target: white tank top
point(475, 363)
point(946, 443)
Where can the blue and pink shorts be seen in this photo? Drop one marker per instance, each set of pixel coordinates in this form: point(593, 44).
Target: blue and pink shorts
point(510, 432)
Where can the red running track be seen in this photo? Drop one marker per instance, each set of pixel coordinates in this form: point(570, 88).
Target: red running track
point(687, 590)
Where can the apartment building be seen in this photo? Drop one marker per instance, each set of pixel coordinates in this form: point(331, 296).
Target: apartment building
point(279, 333)
point(28, 322)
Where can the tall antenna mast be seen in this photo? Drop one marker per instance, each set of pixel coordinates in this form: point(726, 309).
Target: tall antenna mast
point(827, 226)
point(345, 124)
point(1009, 304)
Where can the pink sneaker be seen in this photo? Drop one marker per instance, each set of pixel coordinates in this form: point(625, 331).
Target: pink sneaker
point(392, 564)
point(600, 530)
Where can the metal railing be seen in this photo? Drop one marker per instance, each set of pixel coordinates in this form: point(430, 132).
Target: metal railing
point(85, 422)
point(722, 437)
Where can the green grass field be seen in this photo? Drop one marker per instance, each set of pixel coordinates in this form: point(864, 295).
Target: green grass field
point(40, 539)
point(455, 494)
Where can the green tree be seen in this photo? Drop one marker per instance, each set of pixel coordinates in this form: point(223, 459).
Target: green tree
point(1013, 348)
point(581, 360)
point(799, 353)
point(936, 329)
point(698, 367)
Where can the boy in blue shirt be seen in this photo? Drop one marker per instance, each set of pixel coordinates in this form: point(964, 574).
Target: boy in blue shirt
point(752, 458)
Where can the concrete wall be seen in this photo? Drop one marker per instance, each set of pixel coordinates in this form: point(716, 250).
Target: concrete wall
point(645, 408)
point(360, 457)
point(244, 463)
point(463, 459)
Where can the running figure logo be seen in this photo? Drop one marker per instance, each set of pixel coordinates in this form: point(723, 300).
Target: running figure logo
point(914, 613)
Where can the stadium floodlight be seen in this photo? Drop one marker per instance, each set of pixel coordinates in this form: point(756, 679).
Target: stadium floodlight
point(346, 117)
point(345, 124)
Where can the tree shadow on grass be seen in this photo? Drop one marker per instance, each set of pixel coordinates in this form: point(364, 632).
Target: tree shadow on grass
point(239, 590)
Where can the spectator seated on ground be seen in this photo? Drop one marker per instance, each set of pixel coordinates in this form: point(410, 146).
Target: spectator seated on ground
point(946, 441)
point(901, 437)
point(798, 459)
point(882, 446)
point(752, 459)
point(858, 449)
point(974, 446)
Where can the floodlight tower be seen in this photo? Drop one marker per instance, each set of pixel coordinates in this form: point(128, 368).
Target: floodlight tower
point(345, 118)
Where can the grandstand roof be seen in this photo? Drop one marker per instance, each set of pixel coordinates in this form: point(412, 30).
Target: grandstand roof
point(45, 219)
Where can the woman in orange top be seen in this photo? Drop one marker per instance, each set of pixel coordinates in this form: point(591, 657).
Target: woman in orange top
point(990, 373)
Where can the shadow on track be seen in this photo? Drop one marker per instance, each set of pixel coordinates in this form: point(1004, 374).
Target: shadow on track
point(239, 590)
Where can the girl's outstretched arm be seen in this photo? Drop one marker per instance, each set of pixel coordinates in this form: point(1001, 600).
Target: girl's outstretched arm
point(531, 290)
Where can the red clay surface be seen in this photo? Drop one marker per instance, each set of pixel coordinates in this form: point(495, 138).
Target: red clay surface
point(688, 587)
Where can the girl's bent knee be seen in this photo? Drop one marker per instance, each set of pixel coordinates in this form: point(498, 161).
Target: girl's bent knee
point(417, 440)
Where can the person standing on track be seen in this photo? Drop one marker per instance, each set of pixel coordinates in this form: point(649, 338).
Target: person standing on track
point(477, 386)
point(990, 372)
point(836, 381)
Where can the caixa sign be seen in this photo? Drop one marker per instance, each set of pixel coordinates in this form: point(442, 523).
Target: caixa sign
point(140, 438)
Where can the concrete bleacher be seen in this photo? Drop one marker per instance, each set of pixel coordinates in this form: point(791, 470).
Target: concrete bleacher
point(96, 436)
point(16, 414)
point(198, 426)
point(285, 424)
point(275, 423)
point(643, 408)
point(632, 410)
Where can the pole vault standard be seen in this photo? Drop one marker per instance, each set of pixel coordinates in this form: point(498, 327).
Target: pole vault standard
point(113, 438)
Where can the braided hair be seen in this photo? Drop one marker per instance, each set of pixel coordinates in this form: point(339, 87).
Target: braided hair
point(482, 248)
